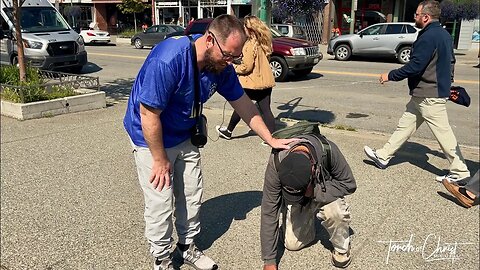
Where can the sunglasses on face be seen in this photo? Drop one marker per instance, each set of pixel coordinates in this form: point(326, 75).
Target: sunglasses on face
point(226, 56)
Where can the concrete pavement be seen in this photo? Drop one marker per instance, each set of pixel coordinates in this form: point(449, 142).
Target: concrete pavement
point(70, 200)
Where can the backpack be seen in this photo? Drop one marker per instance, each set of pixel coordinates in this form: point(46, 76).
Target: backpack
point(310, 131)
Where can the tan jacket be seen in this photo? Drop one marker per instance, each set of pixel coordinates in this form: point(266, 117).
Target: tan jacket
point(254, 72)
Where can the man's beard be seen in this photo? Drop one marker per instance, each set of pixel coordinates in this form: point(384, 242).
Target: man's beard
point(211, 65)
point(419, 25)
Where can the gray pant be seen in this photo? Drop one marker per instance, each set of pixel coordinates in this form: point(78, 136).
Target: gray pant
point(186, 188)
point(433, 111)
point(473, 185)
point(299, 224)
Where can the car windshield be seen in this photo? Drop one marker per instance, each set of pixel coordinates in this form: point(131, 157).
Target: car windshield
point(40, 19)
point(275, 33)
point(177, 27)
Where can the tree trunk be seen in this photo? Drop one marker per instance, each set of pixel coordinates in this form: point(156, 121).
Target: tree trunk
point(135, 21)
point(18, 36)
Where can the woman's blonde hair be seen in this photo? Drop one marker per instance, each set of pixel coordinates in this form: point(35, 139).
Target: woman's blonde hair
point(259, 31)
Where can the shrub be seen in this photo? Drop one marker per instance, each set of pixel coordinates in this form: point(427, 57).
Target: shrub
point(34, 89)
point(127, 33)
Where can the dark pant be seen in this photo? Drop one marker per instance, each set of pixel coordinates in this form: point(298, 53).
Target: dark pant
point(473, 185)
point(263, 99)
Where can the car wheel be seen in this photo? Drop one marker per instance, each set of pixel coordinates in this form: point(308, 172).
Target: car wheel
point(14, 60)
point(303, 72)
point(343, 52)
point(403, 55)
point(279, 68)
point(138, 43)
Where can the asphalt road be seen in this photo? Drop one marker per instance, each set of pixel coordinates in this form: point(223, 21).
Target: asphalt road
point(336, 93)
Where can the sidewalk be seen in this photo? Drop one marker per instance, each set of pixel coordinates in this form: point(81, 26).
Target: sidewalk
point(70, 200)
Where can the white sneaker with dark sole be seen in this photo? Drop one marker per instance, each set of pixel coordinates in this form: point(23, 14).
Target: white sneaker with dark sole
point(380, 163)
point(195, 258)
point(449, 177)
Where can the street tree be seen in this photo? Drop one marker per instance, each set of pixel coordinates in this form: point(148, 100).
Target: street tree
point(17, 15)
point(133, 6)
point(285, 10)
point(458, 10)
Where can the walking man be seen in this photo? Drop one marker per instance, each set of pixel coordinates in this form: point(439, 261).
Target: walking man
point(429, 73)
point(159, 119)
point(298, 185)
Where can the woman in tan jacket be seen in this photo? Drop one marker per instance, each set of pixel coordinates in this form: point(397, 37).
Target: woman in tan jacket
point(254, 73)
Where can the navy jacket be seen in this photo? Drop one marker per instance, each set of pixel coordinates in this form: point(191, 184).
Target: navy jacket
point(430, 69)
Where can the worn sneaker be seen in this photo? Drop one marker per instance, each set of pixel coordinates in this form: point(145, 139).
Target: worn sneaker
point(195, 258)
point(341, 260)
point(449, 177)
point(165, 264)
point(380, 163)
point(223, 132)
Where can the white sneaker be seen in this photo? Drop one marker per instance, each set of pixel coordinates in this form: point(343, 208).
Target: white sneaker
point(165, 264)
point(195, 258)
point(380, 163)
point(223, 132)
point(449, 177)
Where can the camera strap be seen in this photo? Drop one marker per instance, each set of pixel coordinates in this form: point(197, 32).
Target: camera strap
point(197, 109)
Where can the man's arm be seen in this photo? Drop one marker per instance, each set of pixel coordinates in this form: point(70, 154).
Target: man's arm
point(249, 113)
point(152, 131)
point(419, 59)
point(270, 210)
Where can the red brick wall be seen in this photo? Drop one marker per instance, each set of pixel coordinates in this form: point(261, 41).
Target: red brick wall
point(101, 16)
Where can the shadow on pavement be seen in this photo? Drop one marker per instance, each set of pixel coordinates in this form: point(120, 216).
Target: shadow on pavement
point(313, 115)
point(450, 198)
point(118, 89)
point(294, 78)
point(421, 152)
point(217, 214)
point(90, 68)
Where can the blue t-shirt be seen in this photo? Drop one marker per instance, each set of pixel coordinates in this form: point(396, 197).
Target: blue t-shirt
point(166, 82)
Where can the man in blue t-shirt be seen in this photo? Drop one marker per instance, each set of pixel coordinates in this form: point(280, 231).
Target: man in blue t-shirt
point(159, 118)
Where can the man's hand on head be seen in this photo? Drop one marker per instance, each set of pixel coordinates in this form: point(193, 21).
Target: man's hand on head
point(281, 143)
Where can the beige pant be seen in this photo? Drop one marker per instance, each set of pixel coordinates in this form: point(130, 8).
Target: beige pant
point(299, 224)
point(433, 111)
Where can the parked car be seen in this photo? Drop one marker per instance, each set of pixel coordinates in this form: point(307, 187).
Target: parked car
point(95, 36)
point(153, 35)
point(382, 39)
point(49, 41)
point(289, 54)
point(290, 30)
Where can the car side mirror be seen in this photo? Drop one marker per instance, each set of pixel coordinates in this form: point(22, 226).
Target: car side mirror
point(360, 34)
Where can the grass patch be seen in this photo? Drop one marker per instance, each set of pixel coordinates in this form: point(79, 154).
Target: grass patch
point(127, 33)
point(340, 127)
point(33, 89)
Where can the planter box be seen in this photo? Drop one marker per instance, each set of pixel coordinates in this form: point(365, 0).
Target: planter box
point(87, 100)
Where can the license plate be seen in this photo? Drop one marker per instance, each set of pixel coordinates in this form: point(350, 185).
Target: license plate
point(316, 60)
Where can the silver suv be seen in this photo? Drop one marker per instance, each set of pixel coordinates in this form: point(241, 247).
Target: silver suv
point(381, 39)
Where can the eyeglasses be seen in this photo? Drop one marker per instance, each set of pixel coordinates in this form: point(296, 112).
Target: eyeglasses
point(418, 14)
point(226, 56)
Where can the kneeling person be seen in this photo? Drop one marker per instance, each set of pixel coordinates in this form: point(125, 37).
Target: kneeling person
point(299, 184)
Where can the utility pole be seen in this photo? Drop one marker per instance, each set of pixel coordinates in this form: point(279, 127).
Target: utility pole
point(263, 10)
point(352, 15)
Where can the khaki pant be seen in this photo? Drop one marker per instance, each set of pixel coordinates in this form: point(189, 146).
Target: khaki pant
point(187, 188)
point(299, 224)
point(433, 111)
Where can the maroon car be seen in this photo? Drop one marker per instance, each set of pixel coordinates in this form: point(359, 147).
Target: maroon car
point(297, 55)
